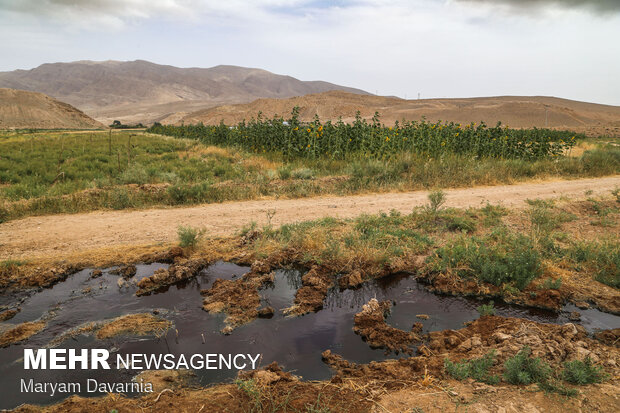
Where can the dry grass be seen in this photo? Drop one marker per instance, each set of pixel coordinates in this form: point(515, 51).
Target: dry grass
point(21, 332)
point(142, 324)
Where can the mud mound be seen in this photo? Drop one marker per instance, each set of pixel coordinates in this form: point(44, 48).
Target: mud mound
point(554, 344)
point(28, 110)
point(179, 271)
point(370, 324)
point(515, 111)
point(239, 299)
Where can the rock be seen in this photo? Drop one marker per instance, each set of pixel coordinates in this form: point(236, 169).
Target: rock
point(266, 312)
point(96, 274)
point(422, 316)
point(582, 305)
point(574, 316)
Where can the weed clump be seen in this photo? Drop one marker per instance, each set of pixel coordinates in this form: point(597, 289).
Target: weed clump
point(477, 369)
point(189, 236)
point(486, 309)
point(523, 369)
point(509, 259)
point(583, 372)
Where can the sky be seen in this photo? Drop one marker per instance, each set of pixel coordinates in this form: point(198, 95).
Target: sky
point(435, 48)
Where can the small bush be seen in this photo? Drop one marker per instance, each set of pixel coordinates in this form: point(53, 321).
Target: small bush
point(436, 199)
point(188, 236)
point(523, 369)
point(583, 372)
point(477, 369)
point(486, 309)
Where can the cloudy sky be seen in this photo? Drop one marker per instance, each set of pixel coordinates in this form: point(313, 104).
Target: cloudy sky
point(438, 48)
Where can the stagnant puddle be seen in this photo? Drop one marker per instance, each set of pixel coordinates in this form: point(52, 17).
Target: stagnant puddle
point(295, 343)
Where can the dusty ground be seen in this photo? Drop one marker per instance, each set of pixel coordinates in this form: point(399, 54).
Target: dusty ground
point(62, 234)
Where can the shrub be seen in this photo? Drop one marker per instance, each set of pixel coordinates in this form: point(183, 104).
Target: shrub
point(583, 372)
point(188, 236)
point(523, 369)
point(477, 369)
point(436, 199)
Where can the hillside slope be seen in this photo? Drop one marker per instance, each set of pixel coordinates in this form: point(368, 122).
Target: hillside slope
point(515, 111)
point(140, 91)
point(29, 110)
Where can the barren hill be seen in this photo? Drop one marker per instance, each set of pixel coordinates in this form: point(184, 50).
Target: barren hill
point(141, 91)
point(515, 111)
point(20, 109)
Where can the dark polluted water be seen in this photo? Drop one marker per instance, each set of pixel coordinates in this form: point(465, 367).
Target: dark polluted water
point(295, 343)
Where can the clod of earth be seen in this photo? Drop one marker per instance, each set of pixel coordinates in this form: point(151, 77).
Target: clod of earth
point(309, 298)
point(21, 332)
point(266, 312)
point(239, 299)
point(126, 271)
point(181, 270)
point(370, 324)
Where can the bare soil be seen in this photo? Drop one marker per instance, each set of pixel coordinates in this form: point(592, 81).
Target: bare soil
point(62, 234)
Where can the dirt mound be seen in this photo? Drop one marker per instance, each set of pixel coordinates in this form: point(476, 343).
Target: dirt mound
point(515, 111)
point(370, 324)
point(28, 110)
point(239, 299)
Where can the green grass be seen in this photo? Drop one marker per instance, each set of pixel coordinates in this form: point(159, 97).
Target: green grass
point(56, 172)
point(498, 258)
point(477, 369)
point(600, 257)
point(189, 237)
point(486, 309)
point(524, 369)
point(583, 372)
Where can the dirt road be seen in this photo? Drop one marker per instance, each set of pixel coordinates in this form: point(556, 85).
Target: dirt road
point(59, 234)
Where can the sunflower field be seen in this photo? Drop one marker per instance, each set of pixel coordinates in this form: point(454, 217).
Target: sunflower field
point(363, 139)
